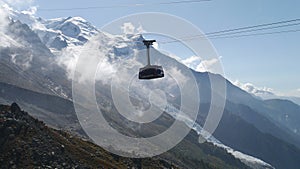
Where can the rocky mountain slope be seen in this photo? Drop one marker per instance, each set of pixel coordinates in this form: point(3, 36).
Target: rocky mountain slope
point(27, 142)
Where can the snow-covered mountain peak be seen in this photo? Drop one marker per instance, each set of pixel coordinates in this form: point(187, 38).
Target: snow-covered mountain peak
point(56, 33)
point(63, 32)
point(72, 27)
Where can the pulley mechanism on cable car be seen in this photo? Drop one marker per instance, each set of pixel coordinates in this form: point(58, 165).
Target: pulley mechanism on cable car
point(150, 71)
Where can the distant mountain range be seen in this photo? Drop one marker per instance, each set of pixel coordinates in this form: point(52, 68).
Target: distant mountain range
point(265, 93)
point(35, 72)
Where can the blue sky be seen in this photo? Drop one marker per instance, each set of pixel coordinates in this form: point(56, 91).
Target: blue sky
point(267, 61)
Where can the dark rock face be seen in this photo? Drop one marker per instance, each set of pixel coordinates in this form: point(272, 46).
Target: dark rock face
point(15, 108)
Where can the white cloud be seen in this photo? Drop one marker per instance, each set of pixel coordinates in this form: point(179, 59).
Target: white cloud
point(7, 12)
point(197, 63)
point(269, 93)
point(263, 92)
point(191, 61)
point(3, 18)
point(68, 59)
point(266, 92)
point(207, 65)
point(105, 71)
point(129, 28)
point(30, 11)
point(8, 8)
point(89, 54)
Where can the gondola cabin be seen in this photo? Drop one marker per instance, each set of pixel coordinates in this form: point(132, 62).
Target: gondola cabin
point(150, 71)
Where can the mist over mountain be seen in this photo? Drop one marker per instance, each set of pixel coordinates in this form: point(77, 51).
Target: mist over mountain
point(38, 60)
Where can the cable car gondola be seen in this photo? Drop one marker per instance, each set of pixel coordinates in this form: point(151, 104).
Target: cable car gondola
point(150, 71)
